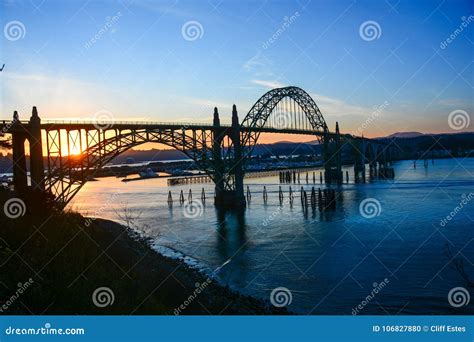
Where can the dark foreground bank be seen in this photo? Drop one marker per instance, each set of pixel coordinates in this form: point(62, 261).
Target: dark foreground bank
point(67, 264)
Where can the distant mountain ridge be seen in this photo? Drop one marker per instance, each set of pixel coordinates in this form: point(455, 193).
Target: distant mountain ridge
point(405, 135)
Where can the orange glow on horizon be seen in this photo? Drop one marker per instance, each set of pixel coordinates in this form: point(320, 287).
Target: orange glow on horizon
point(265, 138)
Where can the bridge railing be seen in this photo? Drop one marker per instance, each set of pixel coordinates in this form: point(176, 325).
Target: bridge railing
point(125, 122)
point(111, 123)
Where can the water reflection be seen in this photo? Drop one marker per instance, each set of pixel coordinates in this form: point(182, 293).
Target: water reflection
point(231, 237)
point(231, 243)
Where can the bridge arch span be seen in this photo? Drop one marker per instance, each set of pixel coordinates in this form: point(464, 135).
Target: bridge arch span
point(262, 109)
point(195, 144)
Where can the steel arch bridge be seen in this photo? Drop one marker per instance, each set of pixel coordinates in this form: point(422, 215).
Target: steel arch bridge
point(75, 150)
point(293, 98)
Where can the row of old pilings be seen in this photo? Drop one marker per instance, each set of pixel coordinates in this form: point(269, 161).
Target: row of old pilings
point(425, 163)
point(383, 170)
point(386, 172)
point(295, 177)
point(190, 197)
point(289, 177)
point(323, 199)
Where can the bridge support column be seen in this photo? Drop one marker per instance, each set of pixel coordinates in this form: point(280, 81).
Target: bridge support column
point(373, 169)
point(359, 161)
point(233, 197)
point(217, 159)
point(332, 158)
point(36, 152)
point(20, 181)
point(238, 169)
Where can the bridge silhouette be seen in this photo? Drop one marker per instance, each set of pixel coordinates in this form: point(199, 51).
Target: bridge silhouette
point(76, 150)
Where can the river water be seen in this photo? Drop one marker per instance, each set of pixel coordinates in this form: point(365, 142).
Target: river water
point(390, 256)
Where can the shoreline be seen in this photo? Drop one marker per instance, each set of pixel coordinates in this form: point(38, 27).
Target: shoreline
point(70, 259)
point(198, 286)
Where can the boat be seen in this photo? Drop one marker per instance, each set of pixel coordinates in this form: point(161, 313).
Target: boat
point(145, 174)
point(148, 173)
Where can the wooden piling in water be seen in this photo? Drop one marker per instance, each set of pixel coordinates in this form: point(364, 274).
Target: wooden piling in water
point(320, 199)
point(332, 204)
point(313, 197)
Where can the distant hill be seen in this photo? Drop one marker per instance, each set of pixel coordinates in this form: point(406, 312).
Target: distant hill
point(149, 155)
point(401, 135)
point(405, 135)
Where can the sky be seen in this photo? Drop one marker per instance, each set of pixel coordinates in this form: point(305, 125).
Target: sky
point(376, 67)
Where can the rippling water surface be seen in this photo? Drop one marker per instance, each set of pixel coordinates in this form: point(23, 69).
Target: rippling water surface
point(329, 261)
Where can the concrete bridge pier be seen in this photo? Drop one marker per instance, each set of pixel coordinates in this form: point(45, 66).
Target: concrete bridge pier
point(218, 165)
point(359, 161)
point(36, 152)
point(20, 182)
point(373, 169)
point(20, 171)
point(237, 163)
point(332, 158)
point(228, 198)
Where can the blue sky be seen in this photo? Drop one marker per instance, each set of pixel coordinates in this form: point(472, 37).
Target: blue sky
point(141, 66)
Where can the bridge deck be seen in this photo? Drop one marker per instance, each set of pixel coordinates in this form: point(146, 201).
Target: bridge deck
point(125, 125)
point(8, 127)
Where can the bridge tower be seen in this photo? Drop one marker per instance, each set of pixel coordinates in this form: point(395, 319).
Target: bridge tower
point(36, 152)
point(237, 166)
point(218, 166)
point(332, 157)
point(228, 173)
point(19, 136)
point(359, 159)
point(33, 136)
